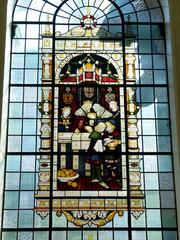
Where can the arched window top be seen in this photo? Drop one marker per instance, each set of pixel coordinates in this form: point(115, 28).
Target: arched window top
point(71, 11)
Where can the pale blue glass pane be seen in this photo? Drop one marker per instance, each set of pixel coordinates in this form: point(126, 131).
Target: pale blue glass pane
point(19, 31)
point(151, 181)
point(166, 181)
point(144, 32)
point(32, 31)
point(56, 235)
point(154, 235)
point(37, 4)
point(41, 235)
point(157, 32)
point(32, 46)
point(12, 181)
point(169, 218)
point(13, 163)
point(153, 218)
point(118, 235)
point(29, 127)
point(149, 127)
point(15, 110)
point(147, 111)
point(156, 15)
point(121, 2)
point(158, 46)
point(149, 144)
point(170, 235)
point(28, 163)
point(146, 76)
point(39, 223)
point(10, 219)
point(20, 14)
point(75, 235)
point(59, 221)
point(137, 235)
point(105, 234)
point(140, 222)
point(115, 20)
point(29, 143)
point(167, 199)
point(31, 76)
point(24, 3)
point(143, 16)
point(18, 45)
point(163, 127)
point(33, 16)
point(121, 221)
point(145, 62)
point(165, 163)
point(164, 144)
point(26, 200)
point(30, 110)
point(139, 128)
point(139, 5)
point(147, 94)
point(9, 235)
point(14, 143)
point(162, 110)
point(25, 235)
point(150, 163)
point(113, 14)
point(161, 94)
point(153, 4)
point(159, 62)
point(17, 76)
point(17, 60)
point(16, 94)
point(152, 199)
point(115, 29)
point(144, 46)
point(133, 17)
point(27, 181)
point(11, 200)
point(127, 9)
point(26, 218)
point(15, 126)
point(31, 61)
point(30, 94)
point(66, 8)
point(160, 77)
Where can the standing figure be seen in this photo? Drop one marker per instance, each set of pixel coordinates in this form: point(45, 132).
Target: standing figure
point(112, 158)
point(94, 153)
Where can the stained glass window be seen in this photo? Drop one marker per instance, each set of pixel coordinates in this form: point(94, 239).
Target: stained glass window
point(89, 154)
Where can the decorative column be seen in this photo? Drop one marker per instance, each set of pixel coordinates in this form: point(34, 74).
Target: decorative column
point(45, 108)
point(132, 110)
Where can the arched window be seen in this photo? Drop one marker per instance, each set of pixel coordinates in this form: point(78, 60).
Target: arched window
point(89, 153)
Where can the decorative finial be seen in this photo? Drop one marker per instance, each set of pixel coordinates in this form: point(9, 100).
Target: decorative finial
point(47, 26)
point(90, 237)
point(88, 11)
point(129, 18)
point(129, 27)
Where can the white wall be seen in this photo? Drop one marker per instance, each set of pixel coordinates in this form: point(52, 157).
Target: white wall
point(173, 30)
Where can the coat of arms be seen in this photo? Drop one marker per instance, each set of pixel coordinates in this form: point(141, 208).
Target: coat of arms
point(68, 97)
point(89, 92)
